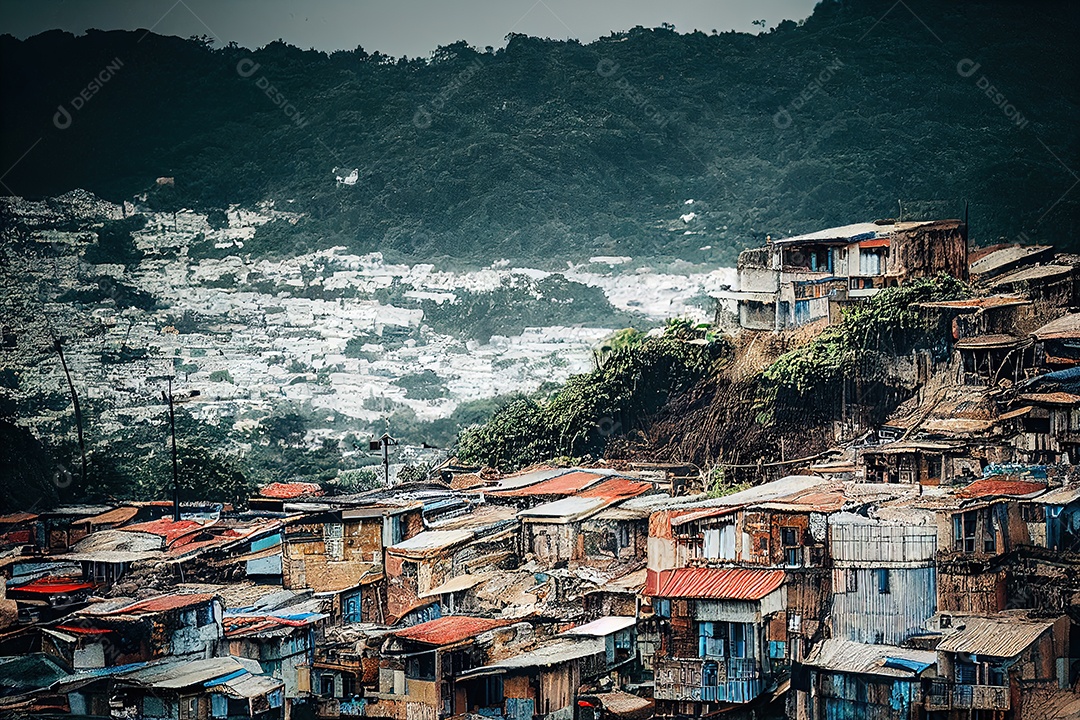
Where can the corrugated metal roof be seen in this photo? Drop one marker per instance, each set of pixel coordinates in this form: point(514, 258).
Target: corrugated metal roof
point(115, 517)
point(991, 487)
point(449, 629)
point(556, 653)
point(162, 603)
point(1039, 272)
point(991, 342)
point(171, 530)
point(617, 488)
point(1004, 256)
point(176, 674)
point(847, 233)
point(603, 626)
point(1051, 398)
point(432, 540)
point(567, 484)
point(1019, 412)
point(718, 583)
point(1067, 326)
point(1061, 496)
point(16, 518)
point(567, 509)
point(851, 657)
point(527, 477)
point(1002, 637)
point(290, 491)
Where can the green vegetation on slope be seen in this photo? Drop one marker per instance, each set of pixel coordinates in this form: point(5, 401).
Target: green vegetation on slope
point(857, 349)
point(632, 383)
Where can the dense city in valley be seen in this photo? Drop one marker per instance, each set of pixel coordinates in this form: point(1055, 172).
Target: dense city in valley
point(925, 564)
point(544, 360)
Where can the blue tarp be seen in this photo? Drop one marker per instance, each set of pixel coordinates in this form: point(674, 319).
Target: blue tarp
point(905, 664)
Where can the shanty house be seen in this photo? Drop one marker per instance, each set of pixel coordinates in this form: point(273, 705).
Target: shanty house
point(425, 664)
point(1057, 343)
point(796, 280)
point(282, 642)
point(538, 684)
point(122, 631)
point(172, 689)
point(988, 663)
point(914, 462)
point(884, 578)
point(986, 522)
point(718, 637)
point(845, 680)
point(418, 569)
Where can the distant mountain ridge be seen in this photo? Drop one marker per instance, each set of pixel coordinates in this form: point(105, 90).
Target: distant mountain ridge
point(546, 148)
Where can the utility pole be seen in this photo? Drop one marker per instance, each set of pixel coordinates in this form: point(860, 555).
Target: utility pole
point(167, 397)
point(175, 472)
point(59, 347)
point(384, 444)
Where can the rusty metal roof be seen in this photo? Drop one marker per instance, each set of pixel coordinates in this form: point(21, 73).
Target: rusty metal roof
point(1067, 326)
point(990, 487)
point(171, 530)
point(617, 488)
point(1002, 637)
point(163, 603)
point(118, 516)
point(290, 491)
point(567, 484)
point(1051, 398)
point(991, 342)
point(449, 629)
point(718, 583)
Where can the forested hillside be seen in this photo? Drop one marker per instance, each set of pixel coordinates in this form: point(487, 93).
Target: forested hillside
point(547, 148)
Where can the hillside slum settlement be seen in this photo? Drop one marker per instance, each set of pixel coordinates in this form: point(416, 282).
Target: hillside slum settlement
point(925, 568)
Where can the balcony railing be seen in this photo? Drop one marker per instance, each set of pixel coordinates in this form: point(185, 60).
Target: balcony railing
point(945, 695)
point(735, 680)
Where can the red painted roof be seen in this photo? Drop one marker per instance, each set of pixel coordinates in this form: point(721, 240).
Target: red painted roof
point(717, 583)
point(16, 518)
point(55, 586)
point(171, 530)
point(82, 630)
point(988, 487)
point(449, 630)
point(569, 484)
point(288, 491)
point(875, 243)
point(163, 603)
point(617, 488)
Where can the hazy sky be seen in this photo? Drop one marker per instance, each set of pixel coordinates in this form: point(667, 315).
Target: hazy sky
point(394, 27)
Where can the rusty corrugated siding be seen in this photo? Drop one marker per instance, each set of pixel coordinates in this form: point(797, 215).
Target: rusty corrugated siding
point(718, 583)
